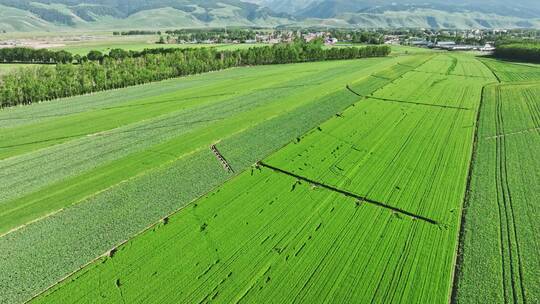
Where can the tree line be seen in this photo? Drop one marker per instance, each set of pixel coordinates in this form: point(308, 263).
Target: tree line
point(28, 55)
point(136, 32)
point(218, 35)
point(529, 52)
point(45, 56)
point(123, 69)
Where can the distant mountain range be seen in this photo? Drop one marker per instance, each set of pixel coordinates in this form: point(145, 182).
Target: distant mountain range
point(50, 15)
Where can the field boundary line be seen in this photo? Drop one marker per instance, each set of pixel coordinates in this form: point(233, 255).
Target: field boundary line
point(519, 83)
point(31, 222)
point(404, 101)
point(349, 194)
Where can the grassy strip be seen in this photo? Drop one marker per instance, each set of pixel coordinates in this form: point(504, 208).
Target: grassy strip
point(463, 218)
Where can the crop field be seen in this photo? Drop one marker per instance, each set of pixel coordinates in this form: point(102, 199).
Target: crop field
point(110, 164)
point(364, 207)
point(501, 249)
point(513, 72)
point(407, 179)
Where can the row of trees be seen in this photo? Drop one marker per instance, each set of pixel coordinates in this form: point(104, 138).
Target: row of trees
point(136, 32)
point(217, 35)
point(45, 56)
point(28, 55)
point(41, 83)
point(529, 52)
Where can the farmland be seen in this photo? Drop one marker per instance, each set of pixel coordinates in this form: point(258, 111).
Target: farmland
point(406, 179)
point(501, 257)
point(140, 161)
point(514, 72)
point(350, 211)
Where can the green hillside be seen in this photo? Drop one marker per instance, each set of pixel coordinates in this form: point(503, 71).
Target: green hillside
point(96, 14)
point(52, 15)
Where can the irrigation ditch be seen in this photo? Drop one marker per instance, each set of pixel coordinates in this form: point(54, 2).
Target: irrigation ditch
point(348, 194)
point(405, 101)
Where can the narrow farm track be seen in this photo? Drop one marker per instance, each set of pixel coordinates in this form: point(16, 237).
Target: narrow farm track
point(307, 233)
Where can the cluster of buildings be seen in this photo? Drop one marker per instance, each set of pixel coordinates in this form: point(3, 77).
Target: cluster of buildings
point(273, 37)
point(327, 38)
point(453, 46)
point(451, 40)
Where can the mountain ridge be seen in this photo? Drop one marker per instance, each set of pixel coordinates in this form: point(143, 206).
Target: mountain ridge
point(51, 15)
